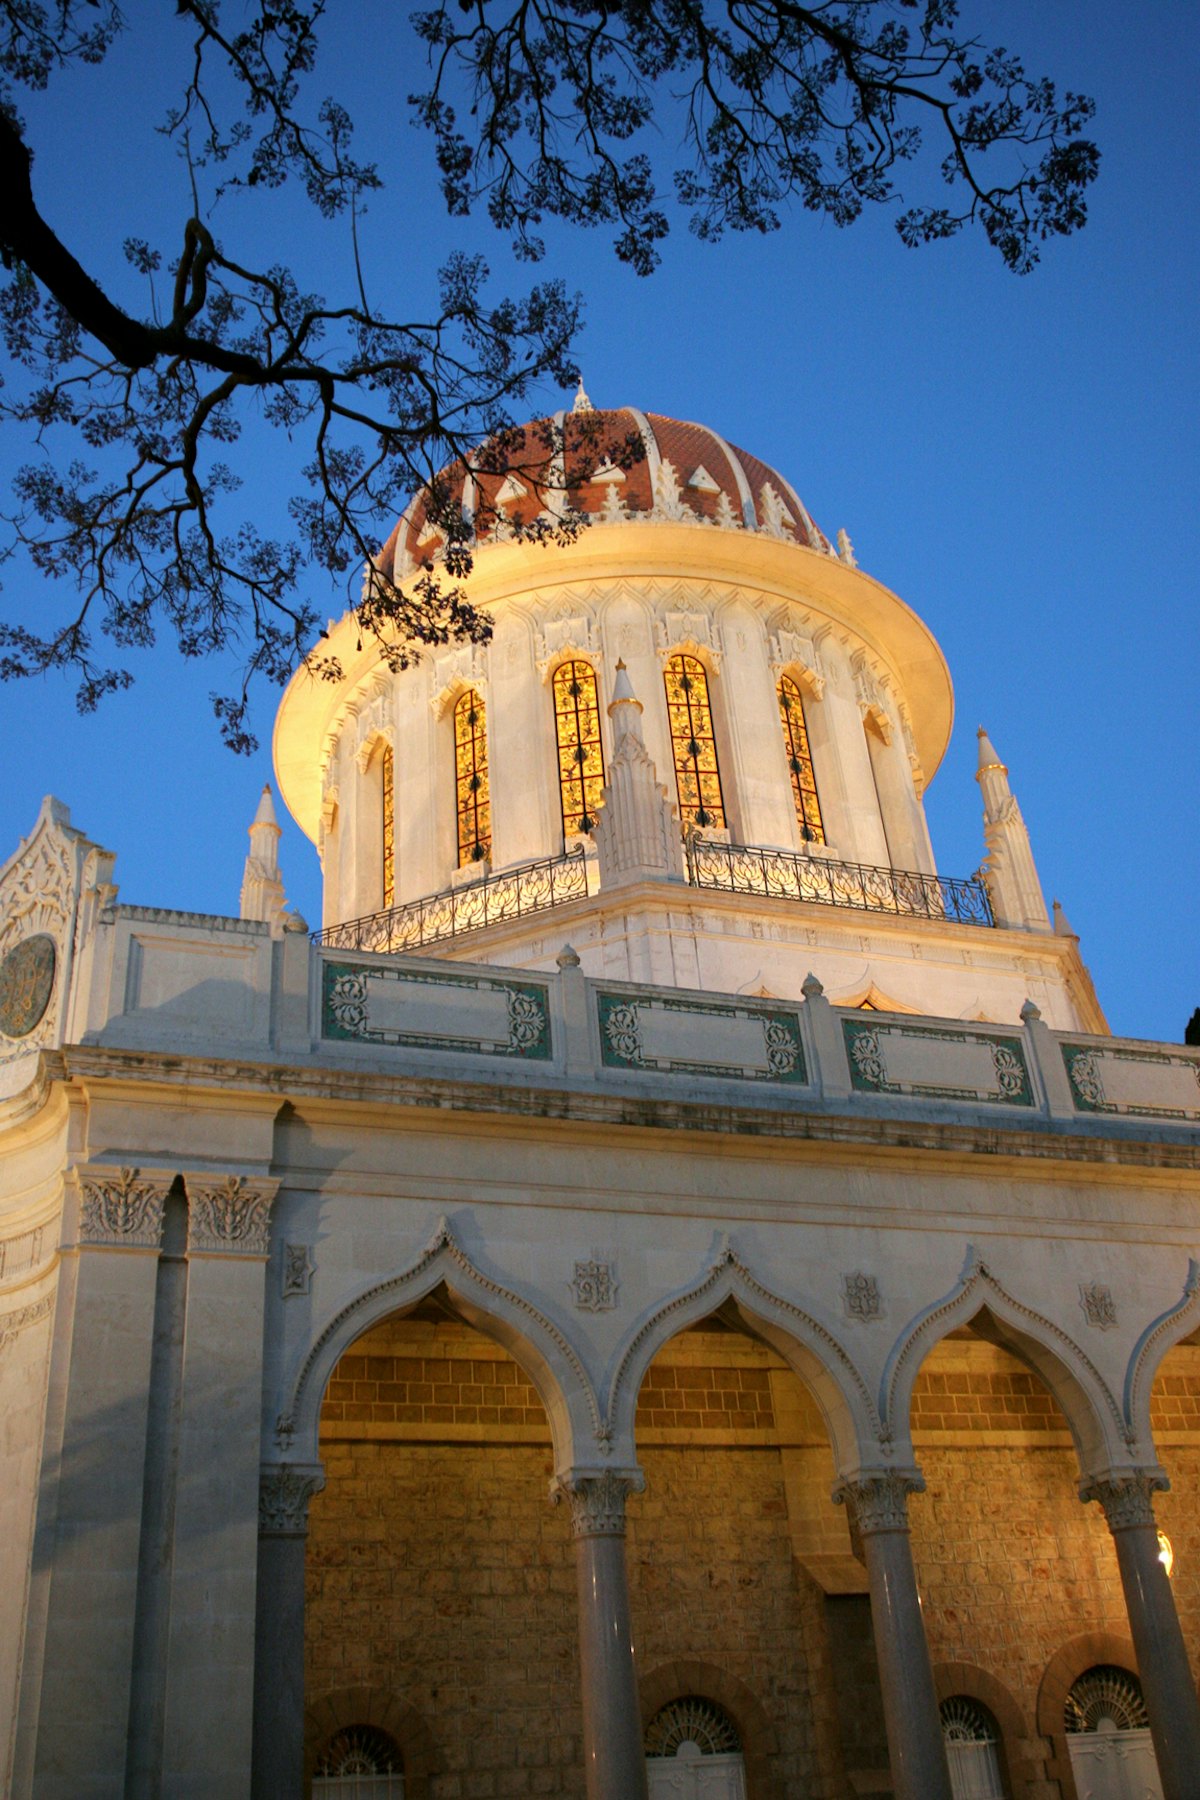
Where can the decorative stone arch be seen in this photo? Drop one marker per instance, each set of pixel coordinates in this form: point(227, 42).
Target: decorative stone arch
point(809, 1348)
point(1017, 1767)
point(342, 1708)
point(760, 1742)
point(543, 1351)
point(873, 999)
point(1101, 1437)
point(1063, 1670)
point(1159, 1338)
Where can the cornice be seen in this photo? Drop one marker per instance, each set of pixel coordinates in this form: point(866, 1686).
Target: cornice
point(922, 1141)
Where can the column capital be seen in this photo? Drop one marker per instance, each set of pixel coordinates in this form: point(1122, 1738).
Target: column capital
point(1127, 1496)
point(880, 1500)
point(597, 1500)
point(284, 1491)
point(121, 1208)
point(229, 1214)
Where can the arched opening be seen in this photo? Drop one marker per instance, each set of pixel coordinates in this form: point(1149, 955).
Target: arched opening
point(359, 1762)
point(1175, 1428)
point(580, 752)
point(694, 744)
point(745, 1591)
point(972, 1739)
point(437, 1573)
point(694, 1751)
point(1108, 1736)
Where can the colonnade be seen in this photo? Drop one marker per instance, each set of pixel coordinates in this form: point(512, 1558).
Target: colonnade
point(614, 1758)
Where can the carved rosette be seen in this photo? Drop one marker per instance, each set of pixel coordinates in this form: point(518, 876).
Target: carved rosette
point(880, 1502)
point(284, 1491)
point(597, 1501)
point(1127, 1499)
point(230, 1216)
point(123, 1208)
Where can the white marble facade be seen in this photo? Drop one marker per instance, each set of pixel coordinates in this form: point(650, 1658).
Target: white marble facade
point(228, 1151)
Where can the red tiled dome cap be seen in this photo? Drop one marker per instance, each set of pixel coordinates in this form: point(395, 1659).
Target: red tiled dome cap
point(688, 475)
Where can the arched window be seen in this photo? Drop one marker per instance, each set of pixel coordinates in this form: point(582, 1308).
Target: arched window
point(799, 761)
point(360, 1762)
point(580, 755)
point(693, 746)
point(693, 1749)
point(1106, 1697)
point(1108, 1735)
point(387, 774)
point(471, 779)
point(972, 1740)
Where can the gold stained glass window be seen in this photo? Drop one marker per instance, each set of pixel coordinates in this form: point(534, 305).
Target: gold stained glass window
point(387, 767)
point(799, 759)
point(471, 779)
point(697, 777)
point(580, 755)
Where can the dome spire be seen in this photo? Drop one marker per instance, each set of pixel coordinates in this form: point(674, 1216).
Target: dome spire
point(582, 403)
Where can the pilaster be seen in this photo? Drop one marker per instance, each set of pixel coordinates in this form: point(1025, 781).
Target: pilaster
point(285, 1490)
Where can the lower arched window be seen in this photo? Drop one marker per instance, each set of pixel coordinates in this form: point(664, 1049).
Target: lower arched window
point(694, 1751)
point(472, 794)
point(799, 761)
point(360, 1762)
point(693, 744)
point(1108, 1735)
point(972, 1740)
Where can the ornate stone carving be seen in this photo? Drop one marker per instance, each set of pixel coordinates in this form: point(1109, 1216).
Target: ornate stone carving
point(284, 1491)
point(597, 1501)
point(26, 984)
point(230, 1214)
point(880, 1502)
point(594, 1286)
point(689, 631)
point(1126, 1498)
point(297, 1269)
point(122, 1208)
point(777, 521)
point(861, 1297)
point(1097, 1303)
point(11, 1324)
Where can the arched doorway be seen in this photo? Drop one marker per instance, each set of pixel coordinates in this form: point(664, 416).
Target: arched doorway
point(359, 1762)
point(694, 1752)
point(1108, 1737)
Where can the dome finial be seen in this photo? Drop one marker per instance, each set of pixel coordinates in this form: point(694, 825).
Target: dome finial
point(582, 403)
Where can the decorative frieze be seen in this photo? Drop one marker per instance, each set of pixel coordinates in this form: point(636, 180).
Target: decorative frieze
point(879, 1502)
point(229, 1214)
point(478, 1014)
point(594, 1286)
point(597, 1502)
point(930, 1063)
point(122, 1207)
point(13, 1323)
point(739, 1042)
point(1142, 1083)
point(1127, 1498)
point(1097, 1303)
point(284, 1491)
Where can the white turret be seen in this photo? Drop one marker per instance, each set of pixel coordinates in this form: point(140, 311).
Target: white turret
point(1009, 868)
point(637, 832)
point(262, 884)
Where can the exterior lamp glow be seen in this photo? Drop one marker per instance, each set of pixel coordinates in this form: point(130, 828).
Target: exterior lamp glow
point(1166, 1555)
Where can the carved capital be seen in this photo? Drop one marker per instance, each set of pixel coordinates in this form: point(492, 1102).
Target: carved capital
point(229, 1214)
point(121, 1207)
point(597, 1501)
point(880, 1502)
point(1127, 1499)
point(284, 1491)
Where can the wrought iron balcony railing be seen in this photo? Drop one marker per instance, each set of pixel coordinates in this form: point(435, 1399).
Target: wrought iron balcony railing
point(508, 895)
point(787, 875)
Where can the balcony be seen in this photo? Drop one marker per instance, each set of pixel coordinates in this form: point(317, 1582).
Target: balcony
point(729, 868)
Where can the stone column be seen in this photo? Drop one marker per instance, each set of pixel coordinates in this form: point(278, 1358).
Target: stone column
point(284, 1492)
point(613, 1756)
point(910, 1709)
point(210, 1671)
point(1167, 1685)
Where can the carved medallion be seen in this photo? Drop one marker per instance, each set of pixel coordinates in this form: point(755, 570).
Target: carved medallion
point(26, 984)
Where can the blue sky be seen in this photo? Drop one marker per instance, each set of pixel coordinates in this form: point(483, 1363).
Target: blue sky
point(1017, 458)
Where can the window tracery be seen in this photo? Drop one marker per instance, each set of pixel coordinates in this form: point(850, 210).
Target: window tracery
point(692, 1719)
point(472, 793)
point(360, 1762)
point(580, 752)
point(693, 743)
point(799, 760)
point(1106, 1695)
point(387, 775)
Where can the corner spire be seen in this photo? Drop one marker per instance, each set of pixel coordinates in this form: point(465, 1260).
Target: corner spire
point(582, 403)
point(262, 886)
point(1009, 868)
